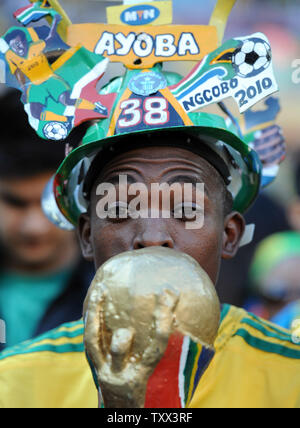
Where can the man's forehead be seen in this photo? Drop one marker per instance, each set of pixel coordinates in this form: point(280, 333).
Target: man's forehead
point(158, 157)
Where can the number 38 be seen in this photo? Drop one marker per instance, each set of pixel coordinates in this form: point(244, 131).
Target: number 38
point(151, 111)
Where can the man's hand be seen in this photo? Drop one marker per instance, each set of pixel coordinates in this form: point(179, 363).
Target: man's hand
point(270, 145)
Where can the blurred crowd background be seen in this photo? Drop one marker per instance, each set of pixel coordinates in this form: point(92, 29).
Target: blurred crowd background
point(265, 276)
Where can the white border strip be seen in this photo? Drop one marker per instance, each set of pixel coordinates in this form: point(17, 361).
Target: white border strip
point(181, 378)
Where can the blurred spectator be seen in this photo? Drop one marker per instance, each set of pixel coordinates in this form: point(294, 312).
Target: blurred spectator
point(269, 217)
point(294, 206)
point(275, 279)
point(43, 280)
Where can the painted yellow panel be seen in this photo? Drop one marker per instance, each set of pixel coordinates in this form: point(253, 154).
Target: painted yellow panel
point(220, 16)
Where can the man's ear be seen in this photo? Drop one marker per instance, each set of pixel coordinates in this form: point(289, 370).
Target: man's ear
point(234, 228)
point(84, 235)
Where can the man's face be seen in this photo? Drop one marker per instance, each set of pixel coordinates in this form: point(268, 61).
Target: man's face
point(219, 237)
point(29, 240)
point(18, 46)
point(283, 280)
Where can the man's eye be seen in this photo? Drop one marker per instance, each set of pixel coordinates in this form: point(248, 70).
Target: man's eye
point(117, 210)
point(13, 202)
point(187, 211)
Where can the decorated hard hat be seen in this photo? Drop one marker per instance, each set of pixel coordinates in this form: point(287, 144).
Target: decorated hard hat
point(146, 100)
point(216, 138)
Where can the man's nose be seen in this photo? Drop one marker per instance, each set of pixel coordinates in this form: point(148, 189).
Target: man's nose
point(153, 234)
point(35, 222)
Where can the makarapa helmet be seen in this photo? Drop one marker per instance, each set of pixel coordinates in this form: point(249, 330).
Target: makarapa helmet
point(218, 140)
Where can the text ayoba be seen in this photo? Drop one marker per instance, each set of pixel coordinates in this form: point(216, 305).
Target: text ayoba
point(143, 45)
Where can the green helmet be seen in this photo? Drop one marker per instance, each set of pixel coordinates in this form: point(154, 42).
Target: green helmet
point(210, 132)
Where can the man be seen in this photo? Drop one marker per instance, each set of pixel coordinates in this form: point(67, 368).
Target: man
point(274, 275)
point(42, 278)
point(256, 364)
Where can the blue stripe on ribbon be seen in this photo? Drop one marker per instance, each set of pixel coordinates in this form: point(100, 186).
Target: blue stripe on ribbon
point(209, 75)
point(205, 358)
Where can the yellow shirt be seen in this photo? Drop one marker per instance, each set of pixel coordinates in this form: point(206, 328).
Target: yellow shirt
point(256, 365)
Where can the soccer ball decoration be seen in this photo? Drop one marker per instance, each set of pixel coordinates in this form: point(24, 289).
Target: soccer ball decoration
point(55, 131)
point(252, 57)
